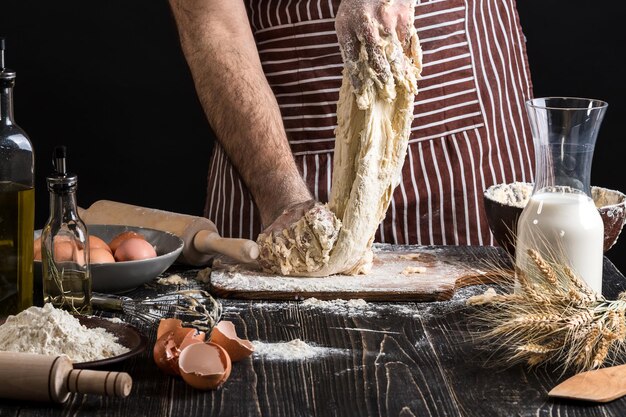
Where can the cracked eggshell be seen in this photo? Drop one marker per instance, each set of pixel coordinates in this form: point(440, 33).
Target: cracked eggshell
point(191, 338)
point(172, 338)
point(204, 366)
point(168, 325)
point(165, 354)
point(224, 334)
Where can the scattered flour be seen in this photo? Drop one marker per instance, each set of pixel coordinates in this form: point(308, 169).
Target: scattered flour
point(515, 194)
point(333, 304)
point(173, 280)
point(51, 331)
point(292, 351)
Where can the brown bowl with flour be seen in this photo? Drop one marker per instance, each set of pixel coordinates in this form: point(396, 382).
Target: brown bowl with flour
point(504, 204)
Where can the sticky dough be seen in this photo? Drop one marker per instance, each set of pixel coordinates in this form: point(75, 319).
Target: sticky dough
point(371, 142)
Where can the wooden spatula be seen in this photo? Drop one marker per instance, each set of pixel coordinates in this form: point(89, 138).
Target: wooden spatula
point(600, 385)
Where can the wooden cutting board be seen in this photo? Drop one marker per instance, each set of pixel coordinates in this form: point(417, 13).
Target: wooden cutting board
point(445, 268)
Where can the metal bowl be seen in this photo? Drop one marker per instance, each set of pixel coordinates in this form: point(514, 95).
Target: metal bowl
point(502, 218)
point(119, 277)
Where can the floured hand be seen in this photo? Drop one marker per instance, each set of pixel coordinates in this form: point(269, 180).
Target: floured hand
point(360, 25)
point(289, 216)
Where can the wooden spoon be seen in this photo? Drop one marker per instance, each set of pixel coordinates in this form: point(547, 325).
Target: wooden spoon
point(600, 385)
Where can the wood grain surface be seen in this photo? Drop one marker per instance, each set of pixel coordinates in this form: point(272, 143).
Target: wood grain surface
point(391, 359)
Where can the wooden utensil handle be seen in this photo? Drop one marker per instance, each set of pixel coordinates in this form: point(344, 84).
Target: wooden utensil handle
point(113, 384)
point(242, 250)
point(33, 377)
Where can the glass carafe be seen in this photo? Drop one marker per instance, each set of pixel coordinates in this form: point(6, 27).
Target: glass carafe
point(561, 221)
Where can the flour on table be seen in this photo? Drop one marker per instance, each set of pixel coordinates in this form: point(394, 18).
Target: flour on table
point(292, 351)
point(173, 280)
point(335, 304)
point(373, 128)
point(114, 319)
point(51, 331)
point(515, 194)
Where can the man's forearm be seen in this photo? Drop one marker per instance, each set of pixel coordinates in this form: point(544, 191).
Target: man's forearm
point(240, 106)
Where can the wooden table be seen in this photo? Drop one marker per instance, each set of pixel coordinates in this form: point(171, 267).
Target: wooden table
point(403, 359)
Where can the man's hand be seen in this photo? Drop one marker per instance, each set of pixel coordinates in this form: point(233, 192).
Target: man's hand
point(362, 23)
point(289, 216)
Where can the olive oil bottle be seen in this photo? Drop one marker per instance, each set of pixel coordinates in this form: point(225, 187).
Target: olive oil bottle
point(66, 273)
point(17, 203)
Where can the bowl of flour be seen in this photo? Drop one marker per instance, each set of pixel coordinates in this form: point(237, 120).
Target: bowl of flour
point(504, 204)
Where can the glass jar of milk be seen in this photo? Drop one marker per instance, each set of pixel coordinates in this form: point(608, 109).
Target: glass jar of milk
point(561, 221)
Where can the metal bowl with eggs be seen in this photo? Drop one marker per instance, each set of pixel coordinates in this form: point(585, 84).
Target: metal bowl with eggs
point(109, 276)
point(502, 216)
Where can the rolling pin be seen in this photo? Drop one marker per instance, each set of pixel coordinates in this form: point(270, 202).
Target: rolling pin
point(28, 376)
point(200, 235)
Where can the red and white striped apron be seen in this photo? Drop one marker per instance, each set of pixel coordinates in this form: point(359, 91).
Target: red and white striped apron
point(470, 128)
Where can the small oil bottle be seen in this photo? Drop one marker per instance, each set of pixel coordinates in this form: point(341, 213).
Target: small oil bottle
point(64, 244)
point(17, 203)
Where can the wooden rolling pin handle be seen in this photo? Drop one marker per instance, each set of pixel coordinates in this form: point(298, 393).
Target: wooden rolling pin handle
point(28, 376)
point(112, 384)
point(242, 250)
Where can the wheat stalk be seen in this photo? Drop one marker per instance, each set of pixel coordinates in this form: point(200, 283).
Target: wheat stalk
point(552, 317)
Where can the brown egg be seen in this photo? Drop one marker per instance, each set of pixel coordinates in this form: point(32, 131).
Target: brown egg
point(63, 250)
point(117, 240)
point(37, 249)
point(204, 366)
point(134, 249)
point(96, 242)
point(224, 335)
point(100, 256)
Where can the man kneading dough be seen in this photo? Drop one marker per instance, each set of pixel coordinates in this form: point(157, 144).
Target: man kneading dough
point(374, 116)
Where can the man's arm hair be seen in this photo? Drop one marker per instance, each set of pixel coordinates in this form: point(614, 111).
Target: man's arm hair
point(217, 42)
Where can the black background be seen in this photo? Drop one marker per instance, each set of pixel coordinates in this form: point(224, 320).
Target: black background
point(108, 80)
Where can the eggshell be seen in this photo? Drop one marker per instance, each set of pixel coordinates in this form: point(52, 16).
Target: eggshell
point(100, 256)
point(168, 325)
point(118, 239)
point(224, 334)
point(96, 242)
point(204, 366)
point(172, 338)
point(191, 338)
point(134, 249)
point(165, 354)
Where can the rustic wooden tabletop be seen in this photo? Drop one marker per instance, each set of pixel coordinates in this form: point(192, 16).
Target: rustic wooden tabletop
point(385, 359)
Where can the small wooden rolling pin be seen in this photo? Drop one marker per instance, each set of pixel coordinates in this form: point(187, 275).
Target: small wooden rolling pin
point(202, 240)
point(28, 376)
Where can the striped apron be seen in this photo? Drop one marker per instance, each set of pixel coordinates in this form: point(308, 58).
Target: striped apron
point(470, 128)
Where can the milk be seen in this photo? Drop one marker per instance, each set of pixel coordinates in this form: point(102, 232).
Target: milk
point(566, 227)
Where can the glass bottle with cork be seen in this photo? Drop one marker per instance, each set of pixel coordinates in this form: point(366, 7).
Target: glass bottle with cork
point(64, 244)
point(17, 203)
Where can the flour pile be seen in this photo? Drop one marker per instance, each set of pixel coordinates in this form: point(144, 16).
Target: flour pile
point(51, 331)
point(515, 194)
point(374, 122)
point(293, 350)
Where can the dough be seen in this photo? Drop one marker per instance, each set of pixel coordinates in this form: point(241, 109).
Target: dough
point(410, 270)
point(370, 147)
